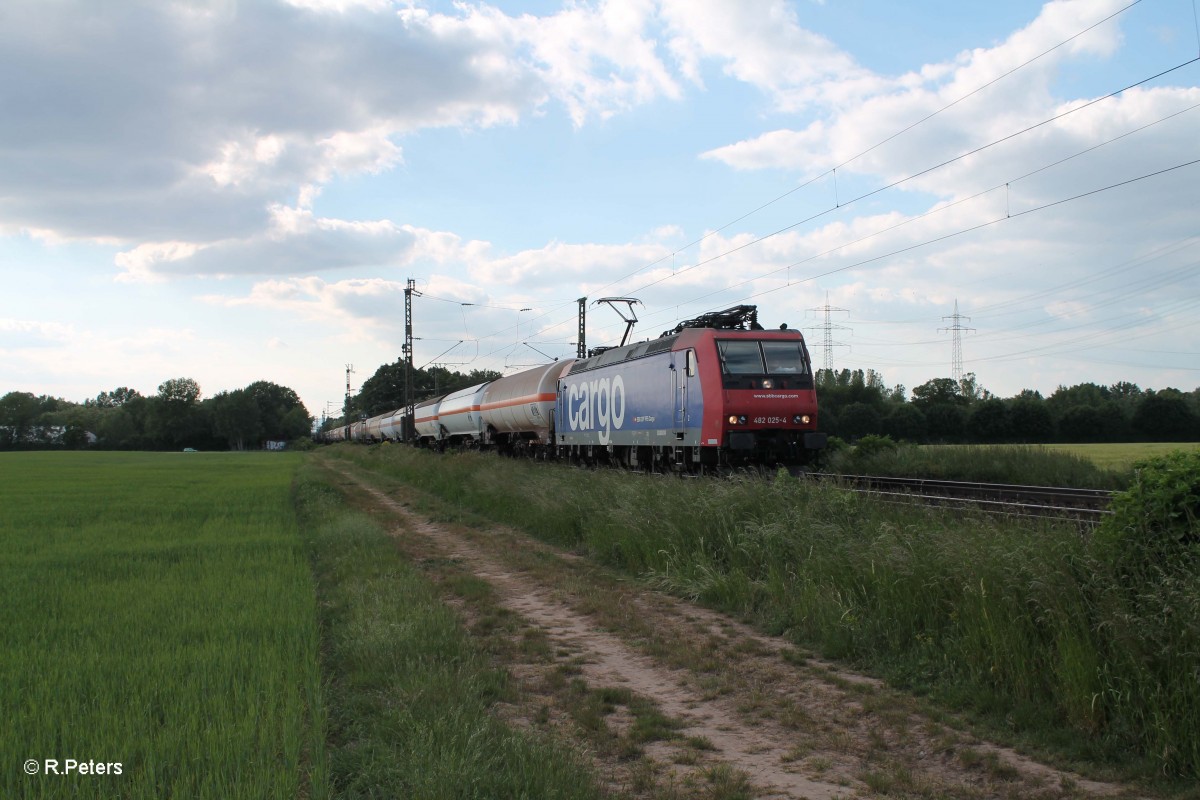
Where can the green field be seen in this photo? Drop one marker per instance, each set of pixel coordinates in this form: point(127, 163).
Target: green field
point(203, 625)
point(158, 614)
point(1121, 456)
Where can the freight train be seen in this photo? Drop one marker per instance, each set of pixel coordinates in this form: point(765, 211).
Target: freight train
point(718, 391)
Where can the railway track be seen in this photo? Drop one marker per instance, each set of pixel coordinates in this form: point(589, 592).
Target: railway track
point(1043, 502)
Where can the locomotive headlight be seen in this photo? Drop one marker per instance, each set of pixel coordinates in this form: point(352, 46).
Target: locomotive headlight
point(801, 419)
point(733, 419)
point(768, 383)
point(742, 420)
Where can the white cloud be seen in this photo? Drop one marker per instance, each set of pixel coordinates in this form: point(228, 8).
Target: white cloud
point(558, 263)
point(192, 122)
point(761, 43)
point(20, 334)
point(861, 110)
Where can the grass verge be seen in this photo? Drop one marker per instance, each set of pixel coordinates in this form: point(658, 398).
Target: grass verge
point(410, 695)
point(1027, 626)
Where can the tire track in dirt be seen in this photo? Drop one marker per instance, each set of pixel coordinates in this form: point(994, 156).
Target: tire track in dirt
point(836, 748)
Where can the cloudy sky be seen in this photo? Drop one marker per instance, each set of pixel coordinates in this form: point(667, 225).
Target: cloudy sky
point(239, 191)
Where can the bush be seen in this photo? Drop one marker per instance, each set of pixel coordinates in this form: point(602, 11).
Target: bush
point(1148, 587)
point(1155, 524)
point(863, 454)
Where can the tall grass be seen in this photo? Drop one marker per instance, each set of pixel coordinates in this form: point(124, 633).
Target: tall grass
point(156, 611)
point(410, 698)
point(1028, 625)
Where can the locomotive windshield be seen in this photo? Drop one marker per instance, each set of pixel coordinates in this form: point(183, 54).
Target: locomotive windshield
point(784, 358)
point(741, 358)
point(745, 363)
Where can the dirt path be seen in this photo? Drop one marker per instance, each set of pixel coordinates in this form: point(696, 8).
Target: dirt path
point(748, 716)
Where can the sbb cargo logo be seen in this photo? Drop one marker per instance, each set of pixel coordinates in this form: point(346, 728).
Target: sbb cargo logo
point(597, 405)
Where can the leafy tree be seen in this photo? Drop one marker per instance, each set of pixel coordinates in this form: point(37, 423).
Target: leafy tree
point(124, 427)
point(989, 421)
point(1083, 424)
point(18, 410)
point(281, 414)
point(840, 388)
point(970, 390)
point(906, 422)
point(1127, 395)
point(296, 423)
point(117, 397)
point(1083, 394)
point(181, 391)
point(947, 422)
point(1166, 416)
point(1030, 419)
point(175, 416)
point(27, 419)
point(858, 420)
point(384, 391)
point(827, 420)
point(237, 418)
point(939, 391)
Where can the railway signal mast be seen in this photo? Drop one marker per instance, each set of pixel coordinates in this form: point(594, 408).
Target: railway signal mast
point(581, 339)
point(407, 349)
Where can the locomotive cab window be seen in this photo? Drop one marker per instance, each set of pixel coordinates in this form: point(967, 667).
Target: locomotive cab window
point(764, 364)
point(741, 358)
point(784, 358)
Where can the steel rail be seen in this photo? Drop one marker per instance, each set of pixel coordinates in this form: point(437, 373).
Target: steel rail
point(1042, 502)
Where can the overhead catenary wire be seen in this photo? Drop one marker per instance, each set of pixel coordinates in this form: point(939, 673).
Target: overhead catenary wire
point(939, 209)
point(894, 184)
point(833, 170)
point(850, 160)
point(911, 177)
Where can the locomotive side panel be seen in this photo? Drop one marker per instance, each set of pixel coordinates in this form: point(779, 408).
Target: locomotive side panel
point(648, 401)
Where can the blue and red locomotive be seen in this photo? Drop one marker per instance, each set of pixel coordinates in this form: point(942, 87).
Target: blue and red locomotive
point(717, 391)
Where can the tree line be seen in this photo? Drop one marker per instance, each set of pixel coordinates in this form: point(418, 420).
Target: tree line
point(175, 417)
point(855, 403)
